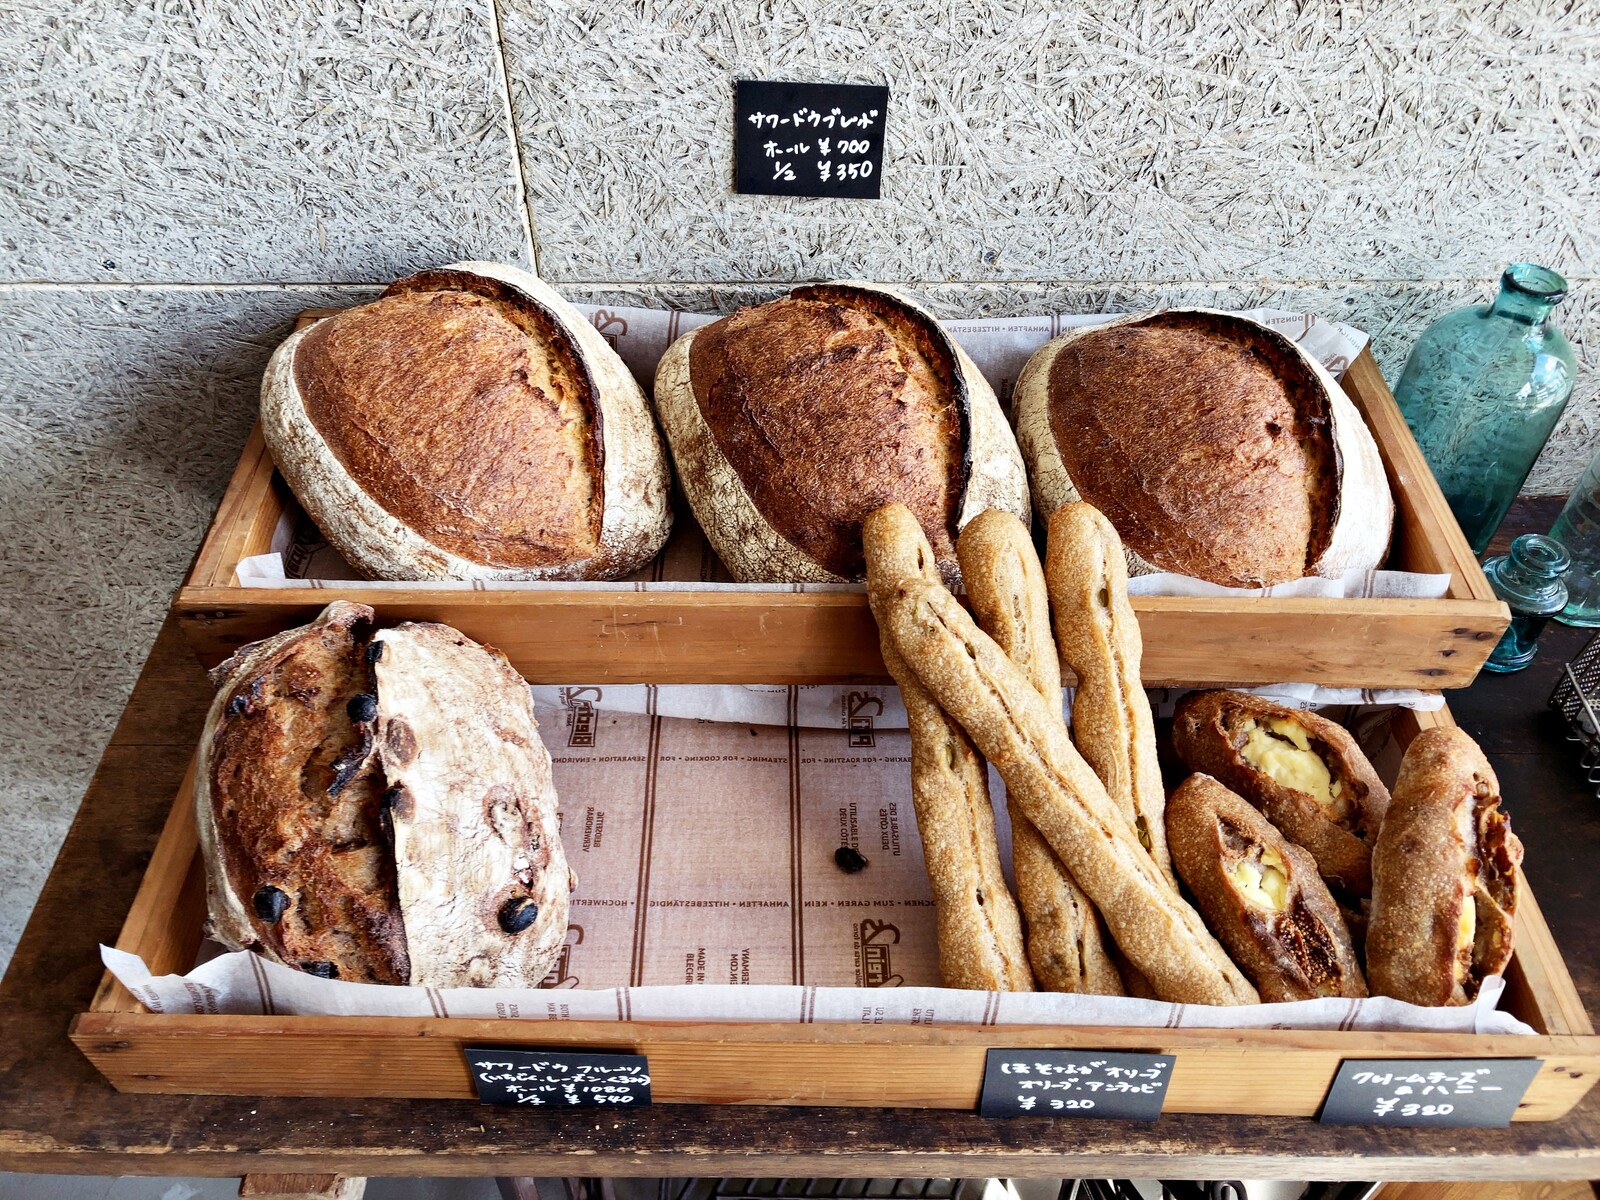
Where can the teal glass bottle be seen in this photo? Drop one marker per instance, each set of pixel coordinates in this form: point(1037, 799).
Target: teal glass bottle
point(1578, 529)
point(1529, 581)
point(1482, 390)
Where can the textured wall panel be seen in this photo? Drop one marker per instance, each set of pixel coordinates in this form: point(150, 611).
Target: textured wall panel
point(1107, 140)
point(252, 140)
point(122, 412)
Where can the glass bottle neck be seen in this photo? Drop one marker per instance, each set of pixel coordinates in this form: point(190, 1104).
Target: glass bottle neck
point(1529, 293)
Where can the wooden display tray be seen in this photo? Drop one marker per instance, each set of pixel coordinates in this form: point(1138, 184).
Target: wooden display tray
point(1263, 1071)
point(727, 636)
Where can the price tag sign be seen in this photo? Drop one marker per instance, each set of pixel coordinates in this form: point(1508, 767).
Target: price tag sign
point(1463, 1093)
point(809, 139)
point(559, 1079)
point(1074, 1083)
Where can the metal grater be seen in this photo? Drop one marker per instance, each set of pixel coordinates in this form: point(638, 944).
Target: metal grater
point(1577, 698)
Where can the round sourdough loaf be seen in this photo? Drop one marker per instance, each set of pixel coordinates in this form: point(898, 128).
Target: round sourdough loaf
point(791, 421)
point(468, 424)
point(1217, 447)
point(378, 807)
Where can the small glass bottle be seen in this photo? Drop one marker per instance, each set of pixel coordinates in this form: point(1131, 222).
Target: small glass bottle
point(1482, 390)
point(1578, 529)
point(1529, 581)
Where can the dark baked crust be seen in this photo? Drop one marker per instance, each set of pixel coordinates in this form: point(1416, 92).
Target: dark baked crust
point(466, 411)
point(1445, 844)
point(1205, 440)
point(1299, 953)
point(295, 794)
point(1208, 731)
point(830, 403)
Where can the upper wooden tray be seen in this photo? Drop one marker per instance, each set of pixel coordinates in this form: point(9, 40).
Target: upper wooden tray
point(723, 636)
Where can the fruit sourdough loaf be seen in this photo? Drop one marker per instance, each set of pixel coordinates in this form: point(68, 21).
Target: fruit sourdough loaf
point(378, 807)
point(791, 421)
point(468, 424)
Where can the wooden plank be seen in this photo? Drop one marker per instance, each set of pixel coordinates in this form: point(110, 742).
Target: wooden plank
point(1573, 1190)
point(302, 1187)
point(247, 502)
point(837, 1065)
point(732, 637)
point(1427, 536)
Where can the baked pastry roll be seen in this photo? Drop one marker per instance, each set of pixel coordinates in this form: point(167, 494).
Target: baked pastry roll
point(1216, 446)
point(378, 807)
point(1303, 771)
point(1261, 895)
point(468, 424)
point(1444, 875)
point(791, 421)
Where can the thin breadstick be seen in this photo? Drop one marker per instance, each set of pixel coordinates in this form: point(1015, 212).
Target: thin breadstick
point(979, 931)
point(1087, 577)
point(1005, 586)
point(995, 703)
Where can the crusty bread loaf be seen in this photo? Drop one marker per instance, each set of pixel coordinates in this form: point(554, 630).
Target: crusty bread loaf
point(789, 422)
point(379, 808)
point(1261, 895)
point(1444, 876)
point(1006, 588)
point(1026, 740)
point(1098, 633)
point(979, 932)
point(1217, 447)
point(1305, 772)
point(468, 424)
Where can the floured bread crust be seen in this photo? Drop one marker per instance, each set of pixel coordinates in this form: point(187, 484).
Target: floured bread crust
point(1261, 895)
point(1326, 796)
point(287, 806)
point(791, 421)
point(483, 879)
point(1215, 445)
point(1444, 876)
point(468, 424)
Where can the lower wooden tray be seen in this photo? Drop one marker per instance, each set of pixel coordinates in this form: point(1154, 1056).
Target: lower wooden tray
point(1271, 1072)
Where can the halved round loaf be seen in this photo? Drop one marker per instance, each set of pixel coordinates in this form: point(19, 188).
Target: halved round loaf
point(468, 424)
point(791, 421)
point(1217, 447)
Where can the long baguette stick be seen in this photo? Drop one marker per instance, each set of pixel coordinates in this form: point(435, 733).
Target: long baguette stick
point(1087, 577)
point(976, 684)
point(1006, 588)
point(979, 931)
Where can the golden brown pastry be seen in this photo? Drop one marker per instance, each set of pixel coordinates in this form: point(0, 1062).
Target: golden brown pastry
point(1005, 586)
point(1261, 895)
point(1305, 772)
point(980, 933)
point(1026, 739)
point(1099, 638)
point(1444, 876)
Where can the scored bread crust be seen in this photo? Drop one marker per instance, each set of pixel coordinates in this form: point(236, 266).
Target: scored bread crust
point(1206, 735)
point(1099, 636)
point(635, 516)
point(1362, 505)
point(1026, 740)
point(1301, 953)
point(1445, 844)
point(1006, 588)
point(286, 798)
point(748, 543)
point(979, 931)
point(473, 809)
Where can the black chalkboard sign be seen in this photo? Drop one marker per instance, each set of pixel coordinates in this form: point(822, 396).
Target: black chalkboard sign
point(562, 1078)
point(809, 139)
point(1074, 1083)
point(1478, 1093)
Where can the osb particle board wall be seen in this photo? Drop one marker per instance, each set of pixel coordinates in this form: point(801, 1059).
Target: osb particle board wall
point(182, 178)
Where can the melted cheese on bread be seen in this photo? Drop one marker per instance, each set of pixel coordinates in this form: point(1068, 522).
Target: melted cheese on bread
point(1280, 749)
